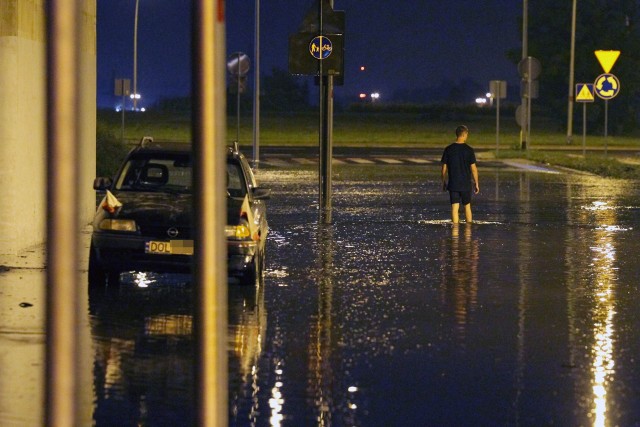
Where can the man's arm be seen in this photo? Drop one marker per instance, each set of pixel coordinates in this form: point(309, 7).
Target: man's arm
point(474, 173)
point(444, 177)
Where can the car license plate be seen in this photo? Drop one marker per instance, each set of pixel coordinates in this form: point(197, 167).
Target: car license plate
point(173, 247)
point(154, 247)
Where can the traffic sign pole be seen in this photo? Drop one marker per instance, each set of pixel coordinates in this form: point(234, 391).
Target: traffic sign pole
point(584, 129)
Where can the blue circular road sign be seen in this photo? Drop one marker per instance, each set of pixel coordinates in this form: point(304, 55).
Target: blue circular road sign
point(320, 47)
point(607, 86)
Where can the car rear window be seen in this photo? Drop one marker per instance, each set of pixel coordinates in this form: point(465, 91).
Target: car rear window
point(170, 174)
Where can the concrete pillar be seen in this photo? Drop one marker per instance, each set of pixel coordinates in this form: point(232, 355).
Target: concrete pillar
point(23, 122)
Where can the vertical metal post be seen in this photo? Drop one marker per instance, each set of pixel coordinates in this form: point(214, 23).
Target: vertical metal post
point(123, 100)
point(256, 90)
point(606, 125)
point(571, 74)
point(210, 259)
point(63, 112)
point(326, 137)
point(135, 57)
point(497, 96)
point(584, 128)
point(529, 84)
point(525, 52)
point(238, 103)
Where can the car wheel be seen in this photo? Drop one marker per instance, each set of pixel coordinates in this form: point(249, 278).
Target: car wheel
point(250, 277)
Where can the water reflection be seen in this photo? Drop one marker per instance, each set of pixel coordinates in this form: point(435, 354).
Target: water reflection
point(459, 281)
point(600, 281)
point(247, 328)
point(320, 338)
point(603, 262)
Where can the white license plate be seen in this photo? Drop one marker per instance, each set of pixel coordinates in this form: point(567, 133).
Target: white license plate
point(173, 247)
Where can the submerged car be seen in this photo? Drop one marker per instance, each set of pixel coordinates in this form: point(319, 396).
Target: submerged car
point(145, 220)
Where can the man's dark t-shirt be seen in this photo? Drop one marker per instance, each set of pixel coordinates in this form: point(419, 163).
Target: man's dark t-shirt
point(459, 157)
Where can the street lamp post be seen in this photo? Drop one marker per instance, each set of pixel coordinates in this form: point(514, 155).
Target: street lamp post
point(135, 58)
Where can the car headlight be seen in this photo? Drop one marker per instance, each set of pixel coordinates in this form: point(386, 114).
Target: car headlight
point(118, 225)
point(237, 231)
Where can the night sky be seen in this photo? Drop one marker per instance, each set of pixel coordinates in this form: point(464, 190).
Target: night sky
point(405, 45)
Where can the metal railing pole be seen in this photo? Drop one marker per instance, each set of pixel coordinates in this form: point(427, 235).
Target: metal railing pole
point(63, 113)
point(210, 259)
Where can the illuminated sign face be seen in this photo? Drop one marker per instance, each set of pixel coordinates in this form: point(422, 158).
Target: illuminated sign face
point(320, 47)
point(607, 86)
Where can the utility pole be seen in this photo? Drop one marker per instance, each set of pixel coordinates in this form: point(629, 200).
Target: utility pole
point(525, 53)
point(571, 74)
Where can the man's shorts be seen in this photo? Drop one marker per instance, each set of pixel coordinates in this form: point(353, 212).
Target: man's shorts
point(463, 197)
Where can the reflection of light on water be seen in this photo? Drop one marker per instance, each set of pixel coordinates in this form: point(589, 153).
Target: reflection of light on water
point(598, 206)
point(612, 228)
point(276, 402)
point(142, 280)
point(603, 363)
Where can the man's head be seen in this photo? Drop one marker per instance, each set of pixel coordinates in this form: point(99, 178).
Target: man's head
point(461, 132)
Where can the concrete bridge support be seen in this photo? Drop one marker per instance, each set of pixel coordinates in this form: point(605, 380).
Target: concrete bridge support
point(23, 124)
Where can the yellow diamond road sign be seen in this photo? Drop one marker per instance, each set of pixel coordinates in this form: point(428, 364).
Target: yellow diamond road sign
point(584, 92)
point(607, 58)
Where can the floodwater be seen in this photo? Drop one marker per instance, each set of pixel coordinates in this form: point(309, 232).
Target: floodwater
point(390, 316)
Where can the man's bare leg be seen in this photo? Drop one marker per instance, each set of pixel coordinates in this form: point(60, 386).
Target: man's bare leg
point(455, 207)
point(467, 213)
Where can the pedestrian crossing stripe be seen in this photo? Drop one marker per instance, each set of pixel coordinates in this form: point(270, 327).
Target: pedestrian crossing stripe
point(584, 92)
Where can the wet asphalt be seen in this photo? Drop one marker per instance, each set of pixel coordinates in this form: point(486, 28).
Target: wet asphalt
point(389, 316)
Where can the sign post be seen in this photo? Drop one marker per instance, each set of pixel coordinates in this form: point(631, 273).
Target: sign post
point(122, 88)
point(238, 66)
point(607, 85)
point(318, 50)
point(584, 94)
point(529, 69)
point(498, 89)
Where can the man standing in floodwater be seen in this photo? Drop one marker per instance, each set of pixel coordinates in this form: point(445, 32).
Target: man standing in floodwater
point(458, 169)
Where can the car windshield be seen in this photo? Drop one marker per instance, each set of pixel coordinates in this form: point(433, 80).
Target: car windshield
point(170, 174)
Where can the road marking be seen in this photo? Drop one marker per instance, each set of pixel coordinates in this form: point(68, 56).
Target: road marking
point(361, 161)
point(389, 161)
point(302, 161)
point(419, 161)
point(338, 162)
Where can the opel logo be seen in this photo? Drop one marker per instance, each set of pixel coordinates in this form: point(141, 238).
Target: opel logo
point(172, 232)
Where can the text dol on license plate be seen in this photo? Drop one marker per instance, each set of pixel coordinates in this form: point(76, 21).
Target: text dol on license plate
point(172, 247)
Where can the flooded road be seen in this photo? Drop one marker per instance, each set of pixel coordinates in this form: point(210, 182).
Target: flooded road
point(391, 316)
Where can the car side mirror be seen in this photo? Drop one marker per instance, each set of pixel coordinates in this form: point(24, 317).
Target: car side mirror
point(261, 193)
point(101, 183)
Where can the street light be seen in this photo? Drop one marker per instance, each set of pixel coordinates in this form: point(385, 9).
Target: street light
point(135, 56)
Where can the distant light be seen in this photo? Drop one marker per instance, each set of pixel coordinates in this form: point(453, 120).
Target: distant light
point(135, 95)
point(143, 109)
point(362, 68)
point(481, 101)
point(352, 389)
point(489, 95)
point(363, 95)
point(375, 95)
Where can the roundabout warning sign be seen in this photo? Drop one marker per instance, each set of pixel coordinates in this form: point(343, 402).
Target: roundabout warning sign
point(607, 86)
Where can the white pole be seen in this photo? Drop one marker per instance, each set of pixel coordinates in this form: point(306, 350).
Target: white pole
point(135, 58)
point(525, 53)
point(571, 74)
point(256, 90)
